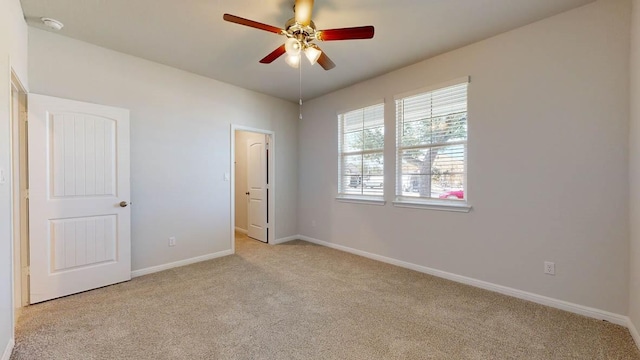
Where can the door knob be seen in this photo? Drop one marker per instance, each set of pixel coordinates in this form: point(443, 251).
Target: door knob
point(247, 193)
point(123, 204)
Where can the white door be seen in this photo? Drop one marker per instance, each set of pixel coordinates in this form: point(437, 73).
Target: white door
point(79, 221)
point(258, 188)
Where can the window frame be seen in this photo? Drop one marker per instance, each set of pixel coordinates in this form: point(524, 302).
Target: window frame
point(424, 202)
point(377, 199)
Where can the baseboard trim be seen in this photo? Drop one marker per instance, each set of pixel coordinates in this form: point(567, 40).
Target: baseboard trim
point(242, 231)
point(8, 350)
point(524, 295)
point(155, 269)
point(284, 240)
point(634, 331)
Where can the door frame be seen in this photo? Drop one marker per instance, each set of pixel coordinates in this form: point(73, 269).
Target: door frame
point(19, 199)
point(271, 164)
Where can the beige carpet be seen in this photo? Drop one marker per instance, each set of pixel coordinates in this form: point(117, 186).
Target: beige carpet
point(302, 301)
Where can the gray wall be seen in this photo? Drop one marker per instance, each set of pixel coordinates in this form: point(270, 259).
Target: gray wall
point(180, 142)
point(634, 168)
point(13, 55)
point(548, 162)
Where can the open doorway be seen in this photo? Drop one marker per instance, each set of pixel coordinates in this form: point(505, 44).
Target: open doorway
point(20, 199)
point(252, 184)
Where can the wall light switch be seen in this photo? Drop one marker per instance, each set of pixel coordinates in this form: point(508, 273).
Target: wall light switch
point(227, 176)
point(3, 178)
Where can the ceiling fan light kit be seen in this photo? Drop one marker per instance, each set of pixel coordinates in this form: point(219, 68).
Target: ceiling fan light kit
point(292, 46)
point(301, 33)
point(293, 61)
point(313, 54)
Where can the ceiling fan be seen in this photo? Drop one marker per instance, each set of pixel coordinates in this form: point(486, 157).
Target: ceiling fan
point(301, 33)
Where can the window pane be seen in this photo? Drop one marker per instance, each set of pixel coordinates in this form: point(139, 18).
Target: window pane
point(362, 131)
point(416, 132)
point(373, 179)
point(353, 141)
point(363, 174)
point(438, 130)
point(374, 138)
point(436, 172)
point(351, 179)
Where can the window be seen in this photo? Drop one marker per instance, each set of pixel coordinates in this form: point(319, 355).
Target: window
point(432, 145)
point(361, 152)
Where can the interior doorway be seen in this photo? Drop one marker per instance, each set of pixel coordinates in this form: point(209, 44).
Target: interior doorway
point(252, 184)
point(20, 199)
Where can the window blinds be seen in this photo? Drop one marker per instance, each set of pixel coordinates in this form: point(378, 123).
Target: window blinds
point(432, 143)
point(361, 147)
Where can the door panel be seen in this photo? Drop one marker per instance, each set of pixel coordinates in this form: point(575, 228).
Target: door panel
point(82, 242)
point(83, 155)
point(78, 175)
point(257, 179)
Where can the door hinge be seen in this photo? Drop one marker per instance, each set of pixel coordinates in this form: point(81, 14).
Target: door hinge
point(26, 194)
point(28, 270)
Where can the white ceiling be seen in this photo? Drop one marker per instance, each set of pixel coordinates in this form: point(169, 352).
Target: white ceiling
point(191, 35)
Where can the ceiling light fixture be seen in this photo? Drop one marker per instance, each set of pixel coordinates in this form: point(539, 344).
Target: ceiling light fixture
point(313, 53)
point(292, 46)
point(293, 61)
point(52, 23)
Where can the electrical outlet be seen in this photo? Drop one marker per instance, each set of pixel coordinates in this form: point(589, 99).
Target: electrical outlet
point(172, 241)
point(549, 268)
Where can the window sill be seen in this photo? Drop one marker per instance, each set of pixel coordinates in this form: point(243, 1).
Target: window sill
point(362, 200)
point(433, 205)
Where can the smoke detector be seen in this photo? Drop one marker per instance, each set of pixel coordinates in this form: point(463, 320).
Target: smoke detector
point(52, 23)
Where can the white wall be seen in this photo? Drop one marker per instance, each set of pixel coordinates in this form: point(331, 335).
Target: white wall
point(180, 142)
point(547, 174)
point(242, 200)
point(13, 54)
point(634, 169)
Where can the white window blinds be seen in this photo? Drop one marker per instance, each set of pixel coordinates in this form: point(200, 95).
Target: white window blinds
point(361, 152)
point(432, 144)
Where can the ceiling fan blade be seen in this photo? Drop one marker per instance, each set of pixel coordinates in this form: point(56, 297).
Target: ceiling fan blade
point(303, 10)
point(325, 62)
point(354, 33)
point(274, 55)
point(251, 23)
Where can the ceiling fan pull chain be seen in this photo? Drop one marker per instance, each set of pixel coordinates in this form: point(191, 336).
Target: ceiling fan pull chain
point(300, 102)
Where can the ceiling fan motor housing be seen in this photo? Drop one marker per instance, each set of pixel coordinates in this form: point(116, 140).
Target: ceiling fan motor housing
point(304, 34)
